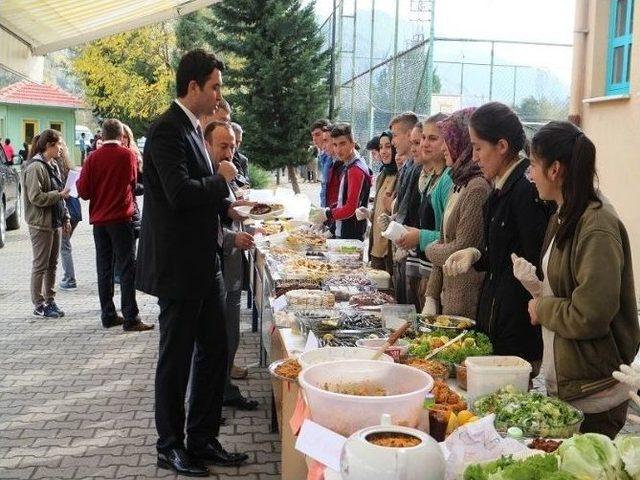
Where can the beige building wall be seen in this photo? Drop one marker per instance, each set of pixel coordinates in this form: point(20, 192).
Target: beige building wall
point(612, 124)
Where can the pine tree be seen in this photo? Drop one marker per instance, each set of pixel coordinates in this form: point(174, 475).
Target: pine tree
point(278, 81)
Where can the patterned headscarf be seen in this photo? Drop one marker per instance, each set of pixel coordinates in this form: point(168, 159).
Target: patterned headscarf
point(455, 131)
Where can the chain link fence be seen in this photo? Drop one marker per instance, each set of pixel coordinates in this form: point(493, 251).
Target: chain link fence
point(381, 62)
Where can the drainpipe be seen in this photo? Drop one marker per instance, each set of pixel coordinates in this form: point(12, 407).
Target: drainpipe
point(580, 31)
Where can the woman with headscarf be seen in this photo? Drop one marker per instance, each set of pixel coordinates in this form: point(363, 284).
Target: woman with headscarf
point(462, 225)
point(379, 247)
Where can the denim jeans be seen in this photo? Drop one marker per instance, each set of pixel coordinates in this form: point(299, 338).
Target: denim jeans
point(66, 257)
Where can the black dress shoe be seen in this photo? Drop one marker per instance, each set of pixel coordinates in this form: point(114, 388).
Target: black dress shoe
point(213, 454)
point(242, 403)
point(179, 461)
point(113, 322)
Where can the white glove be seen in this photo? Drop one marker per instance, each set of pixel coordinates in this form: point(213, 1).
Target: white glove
point(384, 220)
point(630, 374)
point(400, 254)
point(526, 273)
point(460, 262)
point(363, 213)
point(430, 306)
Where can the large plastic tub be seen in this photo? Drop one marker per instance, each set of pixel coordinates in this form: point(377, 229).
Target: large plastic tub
point(332, 354)
point(489, 374)
point(406, 388)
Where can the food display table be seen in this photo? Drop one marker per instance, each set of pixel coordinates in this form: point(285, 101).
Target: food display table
point(271, 269)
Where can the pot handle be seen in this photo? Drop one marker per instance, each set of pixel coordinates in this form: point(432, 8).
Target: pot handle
point(385, 420)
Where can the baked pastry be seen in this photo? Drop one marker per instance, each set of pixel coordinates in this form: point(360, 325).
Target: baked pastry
point(310, 299)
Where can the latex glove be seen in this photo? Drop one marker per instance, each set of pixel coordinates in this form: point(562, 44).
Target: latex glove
point(630, 374)
point(526, 273)
point(400, 254)
point(363, 213)
point(460, 262)
point(384, 220)
point(430, 306)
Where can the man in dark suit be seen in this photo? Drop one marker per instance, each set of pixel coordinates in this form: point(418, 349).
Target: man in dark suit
point(179, 262)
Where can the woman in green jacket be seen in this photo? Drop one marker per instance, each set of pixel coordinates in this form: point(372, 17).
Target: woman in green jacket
point(586, 303)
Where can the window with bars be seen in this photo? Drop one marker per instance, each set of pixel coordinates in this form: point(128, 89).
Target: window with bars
point(620, 42)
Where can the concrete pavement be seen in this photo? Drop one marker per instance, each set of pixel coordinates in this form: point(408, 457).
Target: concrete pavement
point(76, 400)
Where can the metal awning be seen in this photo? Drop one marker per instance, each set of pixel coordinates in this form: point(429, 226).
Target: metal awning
point(50, 25)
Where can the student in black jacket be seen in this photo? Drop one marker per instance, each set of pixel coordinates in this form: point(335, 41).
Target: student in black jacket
point(515, 221)
point(179, 262)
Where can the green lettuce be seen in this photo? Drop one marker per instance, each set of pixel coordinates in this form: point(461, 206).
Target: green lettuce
point(535, 467)
point(591, 456)
point(629, 449)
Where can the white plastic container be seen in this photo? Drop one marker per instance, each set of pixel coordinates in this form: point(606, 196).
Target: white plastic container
point(401, 345)
point(405, 386)
point(332, 354)
point(488, 374)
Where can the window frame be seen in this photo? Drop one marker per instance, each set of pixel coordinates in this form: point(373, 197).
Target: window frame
point(626, 42)
point(36, 128)
point(60, 122)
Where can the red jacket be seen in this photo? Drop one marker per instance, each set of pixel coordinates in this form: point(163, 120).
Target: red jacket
point(108, 180)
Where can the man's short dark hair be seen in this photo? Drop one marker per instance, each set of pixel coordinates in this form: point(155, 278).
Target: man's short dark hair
point(407, 119)
point(112, 129)
point(212, 125)
point(342, 129)
point(82, 134)
point(7, 141)
point(321, 124)
point(374, 143)
point(195, 65)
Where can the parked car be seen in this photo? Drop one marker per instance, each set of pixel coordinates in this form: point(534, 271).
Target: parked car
point(10, 200)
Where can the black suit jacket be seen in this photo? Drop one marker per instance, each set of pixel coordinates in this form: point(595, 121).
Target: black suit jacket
point(177, 253)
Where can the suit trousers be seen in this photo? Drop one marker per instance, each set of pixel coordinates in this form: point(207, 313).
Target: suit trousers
point(233, 300)
point(193, 344)
point(116, 241)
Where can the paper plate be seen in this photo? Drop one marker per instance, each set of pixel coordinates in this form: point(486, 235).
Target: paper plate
point(244, 210)
point(267, 216)
point(276, 364)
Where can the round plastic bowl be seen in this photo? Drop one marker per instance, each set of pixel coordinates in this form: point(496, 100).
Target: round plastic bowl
point(406, 388)
point(331, 354)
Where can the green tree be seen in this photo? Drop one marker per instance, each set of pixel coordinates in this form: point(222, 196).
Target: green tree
point(191, 32)
point(129, 76)
point(532, 109)
point(278, 79)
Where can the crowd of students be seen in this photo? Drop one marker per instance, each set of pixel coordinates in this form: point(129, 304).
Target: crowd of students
point(510, 232)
